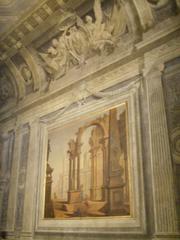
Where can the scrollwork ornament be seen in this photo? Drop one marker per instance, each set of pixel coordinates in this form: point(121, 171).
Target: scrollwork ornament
point(87, 37)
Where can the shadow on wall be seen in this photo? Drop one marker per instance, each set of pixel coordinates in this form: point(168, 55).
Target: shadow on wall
point(3, 235)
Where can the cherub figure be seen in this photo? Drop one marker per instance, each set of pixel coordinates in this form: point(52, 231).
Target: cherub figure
point(55, 61)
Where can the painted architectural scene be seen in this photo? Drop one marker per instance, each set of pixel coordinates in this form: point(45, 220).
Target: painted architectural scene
point(87, 168)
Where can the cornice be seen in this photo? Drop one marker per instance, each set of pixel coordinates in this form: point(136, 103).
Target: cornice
point(5, 3)
point(45, 15)
point(118, 70)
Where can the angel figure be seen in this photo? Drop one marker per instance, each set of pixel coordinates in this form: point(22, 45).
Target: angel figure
point(117, 22)
point(105, 30)
point(55, 61)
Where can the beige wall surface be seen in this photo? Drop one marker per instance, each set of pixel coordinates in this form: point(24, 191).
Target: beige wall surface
point(65, 62)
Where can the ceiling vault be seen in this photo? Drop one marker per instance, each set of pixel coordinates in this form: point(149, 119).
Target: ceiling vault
point(53, 36)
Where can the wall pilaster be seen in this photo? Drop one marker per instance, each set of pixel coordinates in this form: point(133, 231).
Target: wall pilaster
point(162, 173)
point(5, 171)
point(31, 178)
point(13, 182)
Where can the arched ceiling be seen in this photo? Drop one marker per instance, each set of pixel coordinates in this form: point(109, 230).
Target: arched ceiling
point(12, 10)
point(31, 34)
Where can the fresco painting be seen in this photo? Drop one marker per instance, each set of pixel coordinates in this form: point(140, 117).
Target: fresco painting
point(87, 166)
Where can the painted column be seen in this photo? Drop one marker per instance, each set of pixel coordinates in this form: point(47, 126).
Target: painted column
point(74, 174)
point(105, 145)
point(78, 153)
point(162, 173)
point(116, 171)
point(73, 193)
point(70, 173)
point(92, 168)
point(93, 152)
point(78, 165)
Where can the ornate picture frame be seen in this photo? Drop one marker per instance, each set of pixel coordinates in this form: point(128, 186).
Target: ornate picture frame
point(134, 222)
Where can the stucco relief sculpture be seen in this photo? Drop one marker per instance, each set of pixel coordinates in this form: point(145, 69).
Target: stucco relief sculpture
point(87, 37)
point(27, 74)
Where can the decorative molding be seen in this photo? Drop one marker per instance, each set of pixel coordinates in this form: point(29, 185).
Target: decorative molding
point(31, 23)
point(133, 225)
point(158, 56)
point(17, 78)
point(149, 39)
point(106, 94)
point(6, 2)
point(33, 66)
point(80, 98)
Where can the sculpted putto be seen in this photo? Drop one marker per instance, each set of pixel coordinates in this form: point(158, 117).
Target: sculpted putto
point(85, 38)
